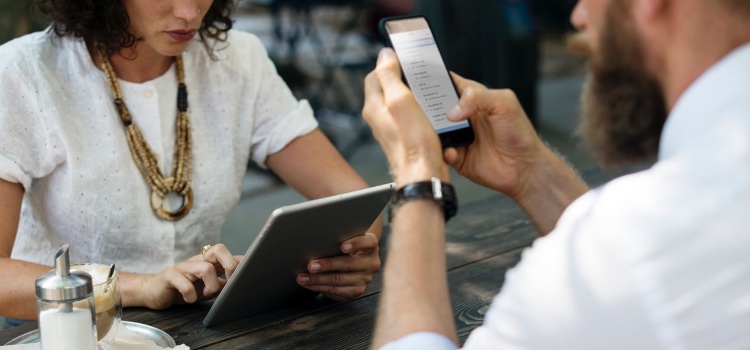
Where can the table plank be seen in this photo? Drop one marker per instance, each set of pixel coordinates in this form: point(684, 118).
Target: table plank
point(350, 325)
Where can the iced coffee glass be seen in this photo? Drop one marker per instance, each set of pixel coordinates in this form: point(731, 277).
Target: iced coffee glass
point(107, 302)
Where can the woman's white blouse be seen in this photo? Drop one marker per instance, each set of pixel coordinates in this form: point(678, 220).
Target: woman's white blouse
point(62, 139)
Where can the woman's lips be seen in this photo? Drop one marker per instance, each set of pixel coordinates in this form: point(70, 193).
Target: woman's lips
point(181, 35)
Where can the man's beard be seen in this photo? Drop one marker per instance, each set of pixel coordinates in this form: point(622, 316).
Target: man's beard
point(623, 105)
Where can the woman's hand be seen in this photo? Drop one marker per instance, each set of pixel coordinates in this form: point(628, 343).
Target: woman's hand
point(346, 276)
point(185, 283)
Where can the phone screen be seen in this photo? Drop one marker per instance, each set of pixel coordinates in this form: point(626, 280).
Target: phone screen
point(424, 70)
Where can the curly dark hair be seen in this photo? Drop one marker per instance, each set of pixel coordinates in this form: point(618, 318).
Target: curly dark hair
point(105, 22)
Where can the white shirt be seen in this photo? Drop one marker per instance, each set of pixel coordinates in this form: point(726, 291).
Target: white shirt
point(652, 260)
point(62, 139)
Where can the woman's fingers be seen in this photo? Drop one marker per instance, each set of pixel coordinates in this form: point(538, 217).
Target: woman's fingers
point(338, 293)
point(219, 256)
point(171, 283)
point(360, 244)
point(334, 279)
point(193, 280)
point(344, 276)
point(190, 281)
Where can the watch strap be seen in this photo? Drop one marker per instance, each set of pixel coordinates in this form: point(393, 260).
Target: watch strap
point(442, 193)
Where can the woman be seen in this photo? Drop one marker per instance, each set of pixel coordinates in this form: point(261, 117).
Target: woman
point(125, 131)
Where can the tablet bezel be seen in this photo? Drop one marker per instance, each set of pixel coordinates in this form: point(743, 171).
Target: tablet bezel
point(292, 236)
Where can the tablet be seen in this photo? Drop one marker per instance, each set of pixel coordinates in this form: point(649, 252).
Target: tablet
point(266, 278)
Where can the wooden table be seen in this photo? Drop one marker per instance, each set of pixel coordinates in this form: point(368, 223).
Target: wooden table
point(483, 241)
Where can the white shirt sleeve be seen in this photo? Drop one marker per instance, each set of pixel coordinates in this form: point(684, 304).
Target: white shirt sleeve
point(279, 117)
point(421, 340)
point(28, 145)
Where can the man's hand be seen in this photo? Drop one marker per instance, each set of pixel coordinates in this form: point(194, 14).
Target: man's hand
point(398, 123)
point(506, 146)
point(508, 155)
point(346, 276)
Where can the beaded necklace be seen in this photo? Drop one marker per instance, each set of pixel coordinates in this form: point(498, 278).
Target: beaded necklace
point(145, 158)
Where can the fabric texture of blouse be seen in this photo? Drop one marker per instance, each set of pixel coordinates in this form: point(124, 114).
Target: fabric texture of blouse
point(62, 139)
point(652, 260)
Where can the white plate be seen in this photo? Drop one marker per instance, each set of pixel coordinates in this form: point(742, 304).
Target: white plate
point(151, 333)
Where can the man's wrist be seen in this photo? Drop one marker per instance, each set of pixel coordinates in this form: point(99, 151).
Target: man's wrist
point(442, 194)
point(548, 188)
point(418, 171)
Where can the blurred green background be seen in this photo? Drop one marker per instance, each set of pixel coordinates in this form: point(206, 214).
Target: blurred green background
point(16, 19)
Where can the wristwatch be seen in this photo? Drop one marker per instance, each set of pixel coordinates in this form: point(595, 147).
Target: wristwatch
point(442, 193)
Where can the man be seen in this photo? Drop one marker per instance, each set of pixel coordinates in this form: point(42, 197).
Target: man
point(655, 259)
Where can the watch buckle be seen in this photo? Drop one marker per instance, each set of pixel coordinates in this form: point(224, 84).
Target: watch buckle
point(437, 189)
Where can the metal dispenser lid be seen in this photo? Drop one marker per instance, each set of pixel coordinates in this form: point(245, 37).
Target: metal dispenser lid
point(63, 284)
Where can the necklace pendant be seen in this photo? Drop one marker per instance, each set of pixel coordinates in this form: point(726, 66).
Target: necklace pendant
point(145, 158)
point(157, 203)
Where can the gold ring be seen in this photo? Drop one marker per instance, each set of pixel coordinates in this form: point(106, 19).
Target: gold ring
point(205, 249)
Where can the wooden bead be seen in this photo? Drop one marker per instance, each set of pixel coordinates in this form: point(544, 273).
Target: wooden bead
point(144, 157)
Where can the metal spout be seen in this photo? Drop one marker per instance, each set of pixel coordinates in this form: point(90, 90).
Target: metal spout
point(62, 261)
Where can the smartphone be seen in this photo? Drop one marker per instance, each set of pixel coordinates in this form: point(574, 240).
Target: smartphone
point(425, 72)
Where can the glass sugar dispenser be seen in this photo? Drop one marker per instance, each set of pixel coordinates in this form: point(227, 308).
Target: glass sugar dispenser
point(65, 302)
